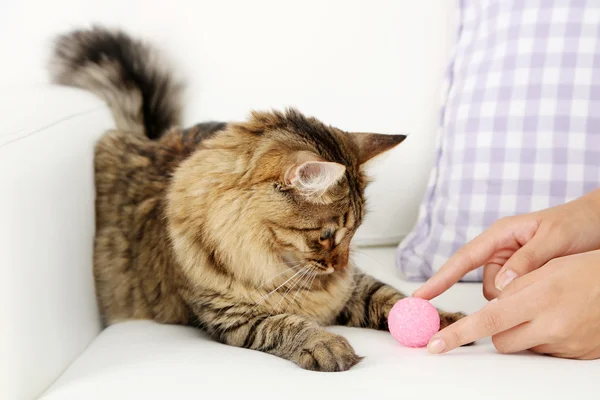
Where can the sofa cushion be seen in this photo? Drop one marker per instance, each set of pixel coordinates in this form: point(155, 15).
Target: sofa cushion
point(142, 359)
point(520, 131)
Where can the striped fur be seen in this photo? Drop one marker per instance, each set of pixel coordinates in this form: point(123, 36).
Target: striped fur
point(203, 227)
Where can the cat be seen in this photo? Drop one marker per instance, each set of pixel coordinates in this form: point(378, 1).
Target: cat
point(241, 229)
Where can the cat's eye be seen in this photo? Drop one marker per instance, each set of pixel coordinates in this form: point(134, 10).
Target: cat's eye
point(326, 235)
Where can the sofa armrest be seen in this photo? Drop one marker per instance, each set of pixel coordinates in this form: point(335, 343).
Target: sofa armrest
point(48, 304)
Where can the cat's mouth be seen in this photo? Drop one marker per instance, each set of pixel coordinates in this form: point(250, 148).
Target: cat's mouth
point(327, 271)
point(290, 260)
point(318, 268)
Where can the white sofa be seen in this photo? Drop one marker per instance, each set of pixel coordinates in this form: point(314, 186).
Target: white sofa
point(365, 66)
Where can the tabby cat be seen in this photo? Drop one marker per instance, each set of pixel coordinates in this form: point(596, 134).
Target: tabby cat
point(242, 229)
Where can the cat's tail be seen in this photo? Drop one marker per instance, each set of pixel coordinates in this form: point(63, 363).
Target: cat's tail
point(126, 73)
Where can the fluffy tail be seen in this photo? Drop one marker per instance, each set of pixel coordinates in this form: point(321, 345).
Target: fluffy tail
point(124, 72)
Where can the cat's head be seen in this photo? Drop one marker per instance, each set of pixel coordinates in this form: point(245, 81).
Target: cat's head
point(279, 188)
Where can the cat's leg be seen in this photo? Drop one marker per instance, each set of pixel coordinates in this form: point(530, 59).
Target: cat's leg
point(371, 302)
point(288, 336)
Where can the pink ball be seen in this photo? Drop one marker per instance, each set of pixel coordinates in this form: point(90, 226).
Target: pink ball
point(413, 321)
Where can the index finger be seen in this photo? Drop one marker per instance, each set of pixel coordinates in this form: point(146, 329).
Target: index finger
point(470, 257)
point(495, 317)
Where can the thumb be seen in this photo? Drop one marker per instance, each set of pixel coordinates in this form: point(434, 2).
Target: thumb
point(530, 257)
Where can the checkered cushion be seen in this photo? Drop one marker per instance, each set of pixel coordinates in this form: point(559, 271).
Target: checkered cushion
point(520, 129)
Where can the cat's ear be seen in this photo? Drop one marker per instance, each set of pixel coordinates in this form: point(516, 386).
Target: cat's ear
point(372, 144)
point(314, 178)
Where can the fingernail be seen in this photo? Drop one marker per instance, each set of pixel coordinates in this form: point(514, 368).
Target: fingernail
point(505, 277)
point(436, 346)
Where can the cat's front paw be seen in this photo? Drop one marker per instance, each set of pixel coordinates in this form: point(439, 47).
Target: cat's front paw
point(327, 352)
point(447, 318)
point(450, 318)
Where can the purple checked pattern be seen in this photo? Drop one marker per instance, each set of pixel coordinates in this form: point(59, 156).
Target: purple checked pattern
point(520, 126)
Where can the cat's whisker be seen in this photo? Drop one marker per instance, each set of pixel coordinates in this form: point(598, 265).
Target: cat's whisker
point(265, 297)
point(309, 286)
point(306, 286)
point(279, 274)
point(321, 285)
point(283, 262)
point(257, 303)
point(294, 283)
point(300, 287)
point(315, 273)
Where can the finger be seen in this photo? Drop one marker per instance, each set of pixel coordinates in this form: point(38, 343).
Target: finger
point(545, 349)
point(471, 256)
point(489, 277)
point(525, 281)
point(530, 257)
point(495, 317)
point(562, 352)
point(519, 338)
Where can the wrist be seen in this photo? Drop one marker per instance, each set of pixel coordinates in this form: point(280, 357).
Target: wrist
point(588, 206)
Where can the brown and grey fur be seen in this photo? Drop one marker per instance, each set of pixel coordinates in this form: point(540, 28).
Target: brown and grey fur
point(203, 227)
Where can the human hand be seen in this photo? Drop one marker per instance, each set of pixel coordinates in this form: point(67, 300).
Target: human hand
point(553, 310)
point(514, 246)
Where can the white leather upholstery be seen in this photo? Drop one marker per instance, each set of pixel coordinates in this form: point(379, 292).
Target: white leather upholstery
point(46, 231)
point(359, 65)
point(366, 66)
point(144, 360)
